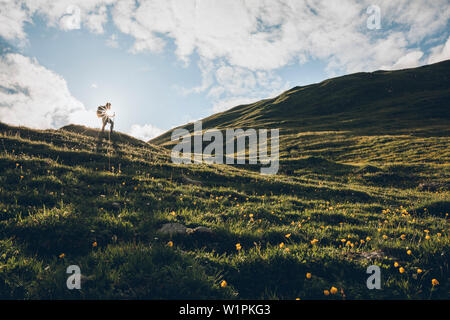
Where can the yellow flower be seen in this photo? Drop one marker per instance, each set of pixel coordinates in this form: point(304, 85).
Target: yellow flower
point(326, 292)
point(438, 234)
point(297, 298)
point(403, 237)
point(426, 231)
point(427, 237)
point(419, 271)
point(409, 252)
point(251, 215)
point(343, 240)
point(170, 244)
point(333, 290)
point(223, 284)
point(434, 282)
point(368, 239)
point(94, 244)
point(173, 213)
point(401, 270)
point(314, 241)
point(288, 235)
point(62, 255)
point(281, 245)
point(308, 275)
point(238, 246)
point(396, 264)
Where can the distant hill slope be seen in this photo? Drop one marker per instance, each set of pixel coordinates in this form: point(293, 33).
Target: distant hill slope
point(411, 101)
point(77, 138)
point(118, 136)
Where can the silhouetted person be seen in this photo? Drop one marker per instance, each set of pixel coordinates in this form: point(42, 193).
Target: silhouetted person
point(107, 116)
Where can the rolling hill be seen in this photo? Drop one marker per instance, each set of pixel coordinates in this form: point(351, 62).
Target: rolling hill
point(406, 102)
point(364, 179)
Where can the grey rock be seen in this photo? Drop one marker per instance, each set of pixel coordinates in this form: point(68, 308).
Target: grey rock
point(115, 205)
point(199, 230)
point(191, 181)
point(173, 228)
point(178, 228)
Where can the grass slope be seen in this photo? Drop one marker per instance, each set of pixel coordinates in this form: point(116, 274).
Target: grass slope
point(343, 200)
point(411, 101)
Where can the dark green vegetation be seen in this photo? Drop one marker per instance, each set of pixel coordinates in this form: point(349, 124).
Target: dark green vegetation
point(364, 177)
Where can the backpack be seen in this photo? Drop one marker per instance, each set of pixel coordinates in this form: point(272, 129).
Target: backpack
point(101, 111)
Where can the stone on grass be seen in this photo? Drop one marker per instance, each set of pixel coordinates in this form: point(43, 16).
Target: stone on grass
point(172, 228)
point(178, 228)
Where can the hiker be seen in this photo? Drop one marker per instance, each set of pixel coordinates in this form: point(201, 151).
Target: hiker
point(107, 116)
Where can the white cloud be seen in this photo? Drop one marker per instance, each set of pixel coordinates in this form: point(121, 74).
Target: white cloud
point(66, 14)
point(124, 15)
point(236, 85)
point(266, 35)
point(12, 19)
point(207, 71)
point(71, 20)
point(96, 20)
point(236, 40)
point(145, 132)
point(252, 34)
point(36, 97)
point(440, 53)
point(418, 18)
point(223, 105)
point(112, 41)
point(410, 60)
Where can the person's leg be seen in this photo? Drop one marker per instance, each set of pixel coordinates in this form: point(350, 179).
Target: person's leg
point(104, 125)
point(111, 122)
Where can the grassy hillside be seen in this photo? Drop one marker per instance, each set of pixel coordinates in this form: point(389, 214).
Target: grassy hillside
point(348, 195)
point(410, 101)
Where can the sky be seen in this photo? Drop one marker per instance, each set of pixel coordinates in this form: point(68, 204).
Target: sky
point(163, 63)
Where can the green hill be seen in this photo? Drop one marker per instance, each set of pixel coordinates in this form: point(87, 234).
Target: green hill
point(411, 101)
point(364, 178)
